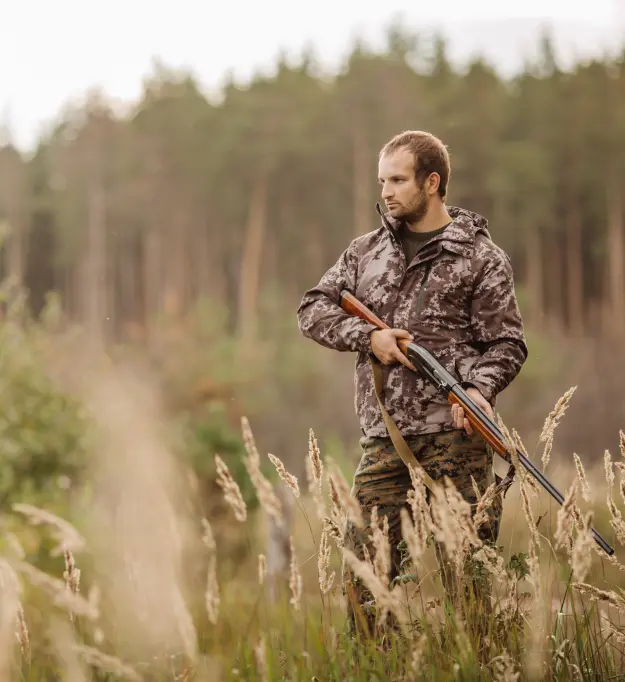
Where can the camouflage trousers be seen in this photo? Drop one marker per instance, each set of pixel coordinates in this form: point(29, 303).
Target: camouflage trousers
point(383, 480)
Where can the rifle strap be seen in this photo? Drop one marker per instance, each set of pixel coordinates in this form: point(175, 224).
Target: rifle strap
point(402, 448)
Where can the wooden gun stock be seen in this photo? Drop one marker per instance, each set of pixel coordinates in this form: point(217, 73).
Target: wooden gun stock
point(353, 306)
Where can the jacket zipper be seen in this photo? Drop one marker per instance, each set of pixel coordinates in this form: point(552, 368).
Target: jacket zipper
point(422, 290)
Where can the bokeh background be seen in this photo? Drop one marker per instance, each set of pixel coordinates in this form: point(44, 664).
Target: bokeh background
point(173, 178)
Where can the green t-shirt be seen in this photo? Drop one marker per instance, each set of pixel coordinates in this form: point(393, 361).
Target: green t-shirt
point(412, 241)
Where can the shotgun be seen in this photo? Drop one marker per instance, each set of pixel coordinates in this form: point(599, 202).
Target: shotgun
point(433, 371)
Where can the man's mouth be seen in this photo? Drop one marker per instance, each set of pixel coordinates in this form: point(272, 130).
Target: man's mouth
point(391, 205)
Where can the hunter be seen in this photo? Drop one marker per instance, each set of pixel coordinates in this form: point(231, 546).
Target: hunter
point(433, 273)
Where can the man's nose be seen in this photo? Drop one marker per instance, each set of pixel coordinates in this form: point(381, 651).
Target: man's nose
point(387, 192)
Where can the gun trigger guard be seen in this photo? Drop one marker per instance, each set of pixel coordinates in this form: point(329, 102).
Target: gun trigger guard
point(504, 484)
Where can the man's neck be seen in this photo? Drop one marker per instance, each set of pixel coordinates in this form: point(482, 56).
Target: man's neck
point(434, 219)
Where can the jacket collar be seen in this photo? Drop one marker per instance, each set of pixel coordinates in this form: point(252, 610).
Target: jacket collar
point(458, 237)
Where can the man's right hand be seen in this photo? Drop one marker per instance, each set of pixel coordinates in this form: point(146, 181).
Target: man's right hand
point(385, 348)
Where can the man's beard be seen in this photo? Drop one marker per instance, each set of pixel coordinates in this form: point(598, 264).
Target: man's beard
point(417, 211)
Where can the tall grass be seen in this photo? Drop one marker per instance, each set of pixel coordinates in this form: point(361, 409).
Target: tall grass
point(545, 603)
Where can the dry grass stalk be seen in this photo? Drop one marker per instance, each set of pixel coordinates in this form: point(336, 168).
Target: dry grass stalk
point(212, 591)
point(563, 536)
point(60, 596)
point(249, 442)
point(207, 537)
point(508, 442)
point(416, 659)
point(71, 575)
point(231, 490)
point(609, 469)
point(622, 443)
point(66, 535)
point(10, 593)
point(314, 474)
point(581, 556)
point(484, 502)
point(289, 479)
point(22, 633)
point(314, 457)
point(334, 531)
point(616, 521)
point(338, 514)
point(347, 501)
point(106, 662)
point(581, 475)
point(461, 510)
point(14, 545)
point(504, 668)
point(445, 528)
point(610, 558)
point(534, 548)
point(512, 441)
point(323, 563)
point(551, 423)
point(262, 569)
point(411, 537)
point(211, 596)
point(516, 438)
point(421, 515)
point(267, 497)
point(295, 579)
point(385, 599)
point(381, 545)
point(260, 654)
point(596, 594)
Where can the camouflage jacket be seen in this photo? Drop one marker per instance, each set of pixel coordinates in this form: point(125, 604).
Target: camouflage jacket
point(456, 298)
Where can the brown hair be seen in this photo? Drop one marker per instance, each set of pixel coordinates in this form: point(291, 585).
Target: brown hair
point(430, 156)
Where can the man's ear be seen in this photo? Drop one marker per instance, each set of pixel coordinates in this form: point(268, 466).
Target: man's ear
point(433, 182)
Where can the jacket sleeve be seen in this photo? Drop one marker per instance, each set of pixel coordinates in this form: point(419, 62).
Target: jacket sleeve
point(321, 318)
point(497, 326)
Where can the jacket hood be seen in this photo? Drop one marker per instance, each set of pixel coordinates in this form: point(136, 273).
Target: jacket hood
point(463, 229)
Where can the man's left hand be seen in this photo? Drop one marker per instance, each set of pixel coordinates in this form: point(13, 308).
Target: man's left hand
point(457, 412)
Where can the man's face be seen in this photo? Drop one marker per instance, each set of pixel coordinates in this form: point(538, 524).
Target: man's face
point(403, 197)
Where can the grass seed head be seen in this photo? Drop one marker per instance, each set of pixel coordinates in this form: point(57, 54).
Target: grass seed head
point(289, 479)
point(231, 490)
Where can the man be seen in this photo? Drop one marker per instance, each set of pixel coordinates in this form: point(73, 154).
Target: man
point(434, 275)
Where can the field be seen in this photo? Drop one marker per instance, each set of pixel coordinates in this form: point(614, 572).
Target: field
point(555, 613)
point(123, 559)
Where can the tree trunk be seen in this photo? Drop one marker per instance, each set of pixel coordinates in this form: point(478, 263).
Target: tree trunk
point(208, 263)
point(362, 182)
point(129, 308)
point(251, 261)
point(575, 271)
point(173, 264)
point(94, 274)
point(534, 265)
point(152, 282)
point(15, 253)
point(616, 261)
point(554, 276)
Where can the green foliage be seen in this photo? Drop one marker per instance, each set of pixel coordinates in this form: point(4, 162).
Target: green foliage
point(209, 434)
point(44, 431)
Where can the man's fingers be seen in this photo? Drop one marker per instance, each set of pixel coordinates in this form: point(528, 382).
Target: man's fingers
point(400, 357)
point(401, 334)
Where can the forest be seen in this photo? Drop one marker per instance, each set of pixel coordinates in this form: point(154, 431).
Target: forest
point(154, 254)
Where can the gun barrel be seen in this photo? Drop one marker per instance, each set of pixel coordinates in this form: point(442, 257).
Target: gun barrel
point(492, 434)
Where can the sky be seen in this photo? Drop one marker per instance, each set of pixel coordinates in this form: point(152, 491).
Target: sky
point(52, 52)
